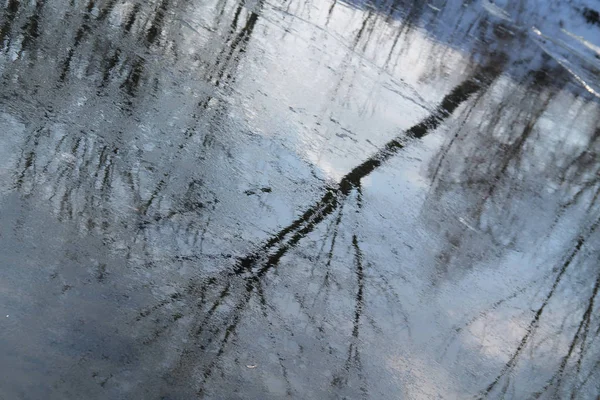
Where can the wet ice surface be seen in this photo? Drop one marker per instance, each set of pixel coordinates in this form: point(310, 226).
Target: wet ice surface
point(264, 200)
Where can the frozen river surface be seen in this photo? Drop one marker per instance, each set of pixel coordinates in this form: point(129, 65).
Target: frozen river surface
point(299, 199)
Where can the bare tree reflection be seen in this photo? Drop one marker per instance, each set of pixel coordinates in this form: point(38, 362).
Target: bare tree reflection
point(493, 163)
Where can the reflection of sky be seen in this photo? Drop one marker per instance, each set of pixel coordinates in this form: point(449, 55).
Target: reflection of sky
point(333, 103)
